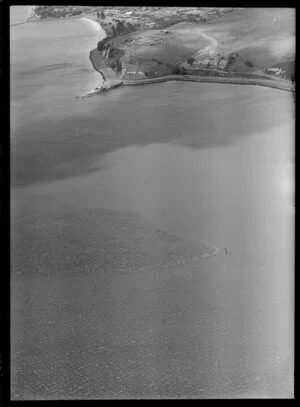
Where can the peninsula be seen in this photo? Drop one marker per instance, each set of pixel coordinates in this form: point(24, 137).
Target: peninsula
point(154, 44)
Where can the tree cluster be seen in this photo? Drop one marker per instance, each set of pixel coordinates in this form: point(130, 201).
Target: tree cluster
point(249, 64)
point(190, 61)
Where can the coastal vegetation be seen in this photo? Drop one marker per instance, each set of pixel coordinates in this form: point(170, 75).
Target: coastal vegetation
point(44, 12)
point(249, 64)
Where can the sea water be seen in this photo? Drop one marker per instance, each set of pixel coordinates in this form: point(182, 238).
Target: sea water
point(122, 206)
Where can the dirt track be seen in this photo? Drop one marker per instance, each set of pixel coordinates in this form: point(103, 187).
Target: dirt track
point(210, 48)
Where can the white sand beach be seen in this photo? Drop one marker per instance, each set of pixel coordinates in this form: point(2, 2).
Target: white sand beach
point(98, 81)
point(93, 24)
point(30, 12)
point(20, 14)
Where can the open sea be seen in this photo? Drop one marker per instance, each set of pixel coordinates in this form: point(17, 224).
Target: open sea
point(151, 230)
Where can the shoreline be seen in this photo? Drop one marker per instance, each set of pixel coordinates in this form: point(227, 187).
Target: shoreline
point(283, 85)
point(267, 82)
point(97, 27)
point(31, 13)
point(93, 23)
point(29, 16)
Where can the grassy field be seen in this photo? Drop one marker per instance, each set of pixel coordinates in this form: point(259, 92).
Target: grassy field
point(158, 50)
point(173, 47)
point(262, 36)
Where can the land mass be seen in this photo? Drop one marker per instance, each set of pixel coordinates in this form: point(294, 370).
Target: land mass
point(150, 44)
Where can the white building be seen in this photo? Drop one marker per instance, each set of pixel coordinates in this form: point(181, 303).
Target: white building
point(222, 63)
point(277, 71)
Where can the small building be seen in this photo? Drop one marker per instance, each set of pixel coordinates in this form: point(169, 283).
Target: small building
point(140, 75)
point(199, 64)
point(202, 62)
point(276, 71)
point(213, 61)
point(132, 71)
point(223, 63)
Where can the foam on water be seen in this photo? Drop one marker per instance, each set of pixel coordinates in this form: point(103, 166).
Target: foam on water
point(94, 241)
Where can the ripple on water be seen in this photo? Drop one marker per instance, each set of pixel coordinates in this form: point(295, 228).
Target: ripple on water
point(72, 242)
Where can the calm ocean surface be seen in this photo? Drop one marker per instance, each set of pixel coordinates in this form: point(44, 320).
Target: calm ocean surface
point(121, 208)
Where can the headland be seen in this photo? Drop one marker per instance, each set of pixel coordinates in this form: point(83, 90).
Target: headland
point(145, 45)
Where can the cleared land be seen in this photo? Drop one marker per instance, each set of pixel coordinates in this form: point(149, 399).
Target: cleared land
point(264, 37)
point(157, 52)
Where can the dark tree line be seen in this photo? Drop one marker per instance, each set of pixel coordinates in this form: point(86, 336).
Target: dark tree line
point(101, 15)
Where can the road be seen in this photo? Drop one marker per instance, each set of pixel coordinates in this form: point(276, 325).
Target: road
point(282, 85)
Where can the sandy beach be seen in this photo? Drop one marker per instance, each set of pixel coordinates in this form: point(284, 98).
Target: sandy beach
point(22, 15)
point(96, 27)
point(93, 24)
point(30, 11)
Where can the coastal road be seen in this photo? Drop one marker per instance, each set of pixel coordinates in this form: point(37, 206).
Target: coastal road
point(282, 84)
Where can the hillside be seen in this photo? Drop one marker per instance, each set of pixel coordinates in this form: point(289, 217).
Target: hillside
point(253, 41)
